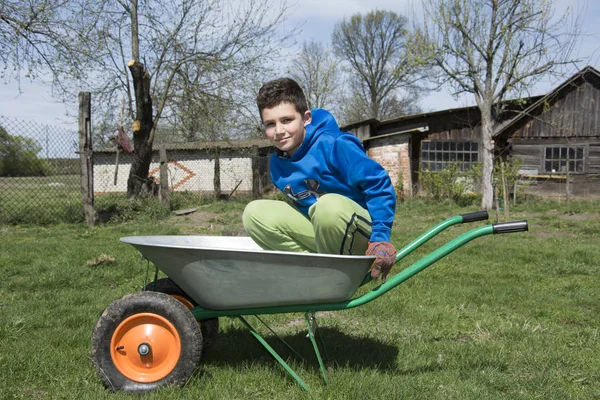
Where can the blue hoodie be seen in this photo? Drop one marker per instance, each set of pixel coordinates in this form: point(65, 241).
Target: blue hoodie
point(331, 161)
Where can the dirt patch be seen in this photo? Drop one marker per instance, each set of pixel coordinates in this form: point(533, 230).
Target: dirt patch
point(577, 217)
point(572, 217)
point(197, 218)
point(205, 222)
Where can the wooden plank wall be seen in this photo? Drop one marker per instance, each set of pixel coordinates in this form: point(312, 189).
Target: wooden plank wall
point(531, 153)
point(575, 114)
point(594, 158)
point(455, 126)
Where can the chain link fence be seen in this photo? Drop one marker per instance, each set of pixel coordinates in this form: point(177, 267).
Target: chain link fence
point(40, 174)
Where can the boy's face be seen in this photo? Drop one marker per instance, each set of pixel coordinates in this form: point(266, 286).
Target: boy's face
point(285, 127)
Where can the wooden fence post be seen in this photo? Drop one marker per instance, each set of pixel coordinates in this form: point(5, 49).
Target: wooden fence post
point(164, 177)
point(217, 174)
point(568, 187)
point(85, 155)
point(497, 202)
point(255, 173)
point(504, 192)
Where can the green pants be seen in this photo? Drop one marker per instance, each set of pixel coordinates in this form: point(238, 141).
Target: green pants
point(335, 225)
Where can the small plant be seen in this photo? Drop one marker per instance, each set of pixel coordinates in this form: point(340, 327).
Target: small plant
point(399, 187)
point(447, 183)
point(510, 171)
point(119, 208)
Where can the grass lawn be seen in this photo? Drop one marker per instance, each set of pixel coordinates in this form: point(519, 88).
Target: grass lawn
point(506, 316)
point(40, 200)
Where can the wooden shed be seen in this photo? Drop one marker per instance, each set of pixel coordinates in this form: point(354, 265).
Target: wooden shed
point(429, 141)
point(555, 136)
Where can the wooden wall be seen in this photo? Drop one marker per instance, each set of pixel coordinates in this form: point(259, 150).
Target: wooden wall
point(573, 113)
point(531, 152)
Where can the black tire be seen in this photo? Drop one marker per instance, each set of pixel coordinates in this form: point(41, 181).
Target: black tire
point(174, 359)
point(209, 327)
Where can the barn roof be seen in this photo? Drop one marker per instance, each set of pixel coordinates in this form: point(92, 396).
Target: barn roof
point(588, 73)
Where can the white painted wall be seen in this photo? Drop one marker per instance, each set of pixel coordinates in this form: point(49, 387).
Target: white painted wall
point(188, 171)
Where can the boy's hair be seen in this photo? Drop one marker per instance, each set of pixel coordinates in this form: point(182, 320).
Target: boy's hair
point(282, 90)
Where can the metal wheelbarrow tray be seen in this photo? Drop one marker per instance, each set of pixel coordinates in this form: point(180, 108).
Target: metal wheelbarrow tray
point(223, 273)
point(156, 337)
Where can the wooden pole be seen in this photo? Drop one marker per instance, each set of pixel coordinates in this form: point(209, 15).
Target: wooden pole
point(217, 174)
point(568, 187)
point(164, 177)
point(504, 191)
point(255, 173)
point(497, 203)
point(86, 158)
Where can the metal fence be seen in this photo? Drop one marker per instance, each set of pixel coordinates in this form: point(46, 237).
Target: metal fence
point(40, 173)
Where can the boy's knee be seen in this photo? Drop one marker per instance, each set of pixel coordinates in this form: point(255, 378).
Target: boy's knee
point(251, 211)
point(327, 209)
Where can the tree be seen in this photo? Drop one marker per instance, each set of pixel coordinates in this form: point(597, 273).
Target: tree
point(19, 156)
point(491, 48)
point(318, 72)
point(203, 116)
point(123, 47)
point(353, 106)
point(375, 47)
point(30, 33)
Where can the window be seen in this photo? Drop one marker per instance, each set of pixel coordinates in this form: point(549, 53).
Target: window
point(560, 159)
point(436, 155)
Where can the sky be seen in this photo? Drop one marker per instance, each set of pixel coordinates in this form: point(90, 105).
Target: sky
point(317, 19)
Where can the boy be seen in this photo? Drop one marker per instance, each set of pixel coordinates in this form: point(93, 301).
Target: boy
point(343, 201)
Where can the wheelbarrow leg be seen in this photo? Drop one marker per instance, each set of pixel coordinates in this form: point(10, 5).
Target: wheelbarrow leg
point(273, 353)
point(311, 323)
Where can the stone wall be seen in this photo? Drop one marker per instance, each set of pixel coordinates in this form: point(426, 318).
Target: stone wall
point(392, 152)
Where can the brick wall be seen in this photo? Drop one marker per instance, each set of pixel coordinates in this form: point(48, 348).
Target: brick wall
point(392, 153)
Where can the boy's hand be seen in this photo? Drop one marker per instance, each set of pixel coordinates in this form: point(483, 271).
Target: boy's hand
point(385, 258)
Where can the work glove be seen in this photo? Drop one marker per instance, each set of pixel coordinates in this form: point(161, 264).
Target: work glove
point(385, 258)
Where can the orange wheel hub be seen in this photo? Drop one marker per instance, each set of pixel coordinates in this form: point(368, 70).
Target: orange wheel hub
point(183, 300)
point(145, 347)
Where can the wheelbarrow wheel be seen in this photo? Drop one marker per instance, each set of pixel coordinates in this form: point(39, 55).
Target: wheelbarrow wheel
point(144, 341)
point(209, 327)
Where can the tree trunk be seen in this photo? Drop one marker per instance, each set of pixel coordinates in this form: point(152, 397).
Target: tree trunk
point(138, 181)
point(487, 158)
point(217, 174)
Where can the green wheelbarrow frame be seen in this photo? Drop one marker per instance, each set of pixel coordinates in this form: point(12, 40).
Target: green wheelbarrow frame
point(309, 310)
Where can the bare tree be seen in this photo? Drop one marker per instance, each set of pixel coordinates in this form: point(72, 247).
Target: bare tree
point(492, 48)
point(318, 72)
point(375, 46)
point(31, 34)
point(116, 47)
point(353, 106)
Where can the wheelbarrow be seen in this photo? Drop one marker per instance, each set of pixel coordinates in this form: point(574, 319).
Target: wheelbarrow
point(156, 337)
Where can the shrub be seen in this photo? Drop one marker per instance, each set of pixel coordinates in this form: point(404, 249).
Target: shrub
point(448, 183)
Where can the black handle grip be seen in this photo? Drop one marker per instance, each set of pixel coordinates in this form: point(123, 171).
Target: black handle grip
point(509, 227)
point(475, 216)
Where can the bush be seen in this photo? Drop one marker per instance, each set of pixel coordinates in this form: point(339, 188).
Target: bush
point(120, 208)
point(18, 156)
point(448, 183)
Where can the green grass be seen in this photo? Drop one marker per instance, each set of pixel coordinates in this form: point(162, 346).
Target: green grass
point(507, 316)
point(40, 200)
